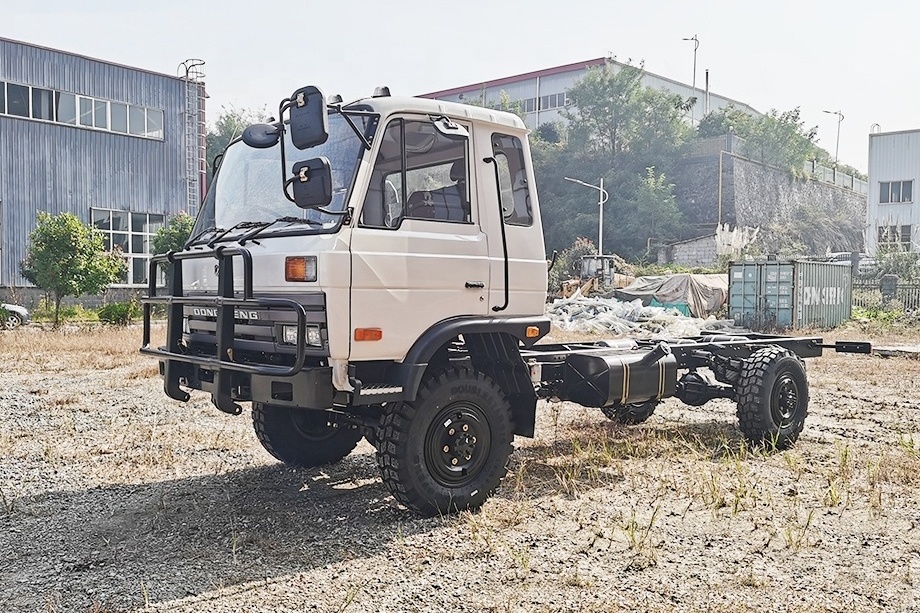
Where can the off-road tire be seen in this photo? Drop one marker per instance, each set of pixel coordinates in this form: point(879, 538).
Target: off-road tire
point(12, 321)
point(630, 414)
point(301, 437)
point(463, 412)
point(772, 397)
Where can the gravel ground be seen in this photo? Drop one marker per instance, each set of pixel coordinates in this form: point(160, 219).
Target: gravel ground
point(116, 498)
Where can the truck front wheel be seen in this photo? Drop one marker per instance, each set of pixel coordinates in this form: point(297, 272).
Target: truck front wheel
point(772, 397)
point(447, 450)
point(301, 437)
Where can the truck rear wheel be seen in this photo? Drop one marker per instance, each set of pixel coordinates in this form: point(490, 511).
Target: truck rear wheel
point(301, 437)
point(448, 449)
point(772, 397)
point(630, 414)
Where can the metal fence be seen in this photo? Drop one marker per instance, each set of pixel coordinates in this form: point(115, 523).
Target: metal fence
point(875, 294)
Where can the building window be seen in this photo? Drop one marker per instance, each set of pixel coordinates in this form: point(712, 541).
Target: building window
point(84, 111)
point(137, 120)
point(119, 118)
point(891, 192)
point(529, 105)
point(553, 101)
point(17, 100)
point(154, 123)
point(66, 108)
point(42, 107)
point(101, 114)
point(132, 233)
point(895, 235)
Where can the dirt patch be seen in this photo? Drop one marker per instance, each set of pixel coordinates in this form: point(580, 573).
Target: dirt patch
point(115, 498)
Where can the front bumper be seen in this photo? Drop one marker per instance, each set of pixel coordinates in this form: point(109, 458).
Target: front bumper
point(225, 369)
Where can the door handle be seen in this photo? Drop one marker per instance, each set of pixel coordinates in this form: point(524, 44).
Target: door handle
point(475, 285)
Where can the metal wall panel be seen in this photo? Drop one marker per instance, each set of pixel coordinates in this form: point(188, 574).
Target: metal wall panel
point(760, 294)
point(768, 295)
point(823, 293)
point(58, 168)
point(893, 156)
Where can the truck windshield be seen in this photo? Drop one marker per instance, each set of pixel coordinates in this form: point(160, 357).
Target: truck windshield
point(248, 189)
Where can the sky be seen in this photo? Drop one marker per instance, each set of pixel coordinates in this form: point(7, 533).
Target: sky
point(858, 58)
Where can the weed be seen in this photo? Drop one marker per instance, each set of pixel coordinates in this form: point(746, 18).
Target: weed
point(638, 534)
point(351, 593)
point(795, 532)
point(844, 462)
point(9, 504)
point(712, 493)
point(907, 444)
point(832, 496)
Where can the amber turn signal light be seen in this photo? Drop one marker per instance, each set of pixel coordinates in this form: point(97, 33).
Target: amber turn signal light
point(368, 334)
point(532, 332)
point(300, 268)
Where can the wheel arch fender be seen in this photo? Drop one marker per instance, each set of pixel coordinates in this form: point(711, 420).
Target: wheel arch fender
point(493, 346)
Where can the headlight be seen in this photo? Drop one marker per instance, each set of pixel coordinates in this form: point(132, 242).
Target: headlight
point(313, 336)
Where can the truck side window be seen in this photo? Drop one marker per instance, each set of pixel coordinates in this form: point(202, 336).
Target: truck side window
point(512, 176)
point(418, 174)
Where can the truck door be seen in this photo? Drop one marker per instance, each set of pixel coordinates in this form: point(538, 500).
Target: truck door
point(507, 202)
point(418, 253)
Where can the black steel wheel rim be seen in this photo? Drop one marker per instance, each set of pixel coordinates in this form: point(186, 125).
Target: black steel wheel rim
point(457, 444)
point(785, 400)
point(311, 426)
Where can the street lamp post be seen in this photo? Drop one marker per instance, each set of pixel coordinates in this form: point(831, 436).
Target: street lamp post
point(602, 197)
point(696, 45)
point(837, 145)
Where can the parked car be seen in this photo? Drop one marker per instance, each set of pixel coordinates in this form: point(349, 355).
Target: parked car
point(15, 316)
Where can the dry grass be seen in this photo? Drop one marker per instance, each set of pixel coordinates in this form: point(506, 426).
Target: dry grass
point(677, 513)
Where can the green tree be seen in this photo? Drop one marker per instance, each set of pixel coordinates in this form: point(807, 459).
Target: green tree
point(617, 129)
point(651, 216)
point(228, 126)
point(777, 139)
point(173, 235)
point(68, 258)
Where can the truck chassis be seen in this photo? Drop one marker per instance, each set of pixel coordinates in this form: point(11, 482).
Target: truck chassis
point(443, 420)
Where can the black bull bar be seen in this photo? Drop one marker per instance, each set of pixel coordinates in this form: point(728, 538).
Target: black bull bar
point(174, 354)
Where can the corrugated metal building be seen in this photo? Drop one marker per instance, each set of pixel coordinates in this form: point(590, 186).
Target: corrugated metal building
point(894, 168)
point(121, 148)
point(542, 93)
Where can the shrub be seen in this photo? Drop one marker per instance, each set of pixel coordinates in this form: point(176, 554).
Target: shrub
point(119, 313)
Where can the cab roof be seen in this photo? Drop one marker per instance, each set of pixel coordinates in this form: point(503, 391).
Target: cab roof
point(387, 105)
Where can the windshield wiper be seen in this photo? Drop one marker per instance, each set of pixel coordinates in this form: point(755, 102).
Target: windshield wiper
point(265, 225)
point(236, 226)
point(202, 233)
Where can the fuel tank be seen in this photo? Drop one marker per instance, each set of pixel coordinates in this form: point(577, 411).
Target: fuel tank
point(620, 377)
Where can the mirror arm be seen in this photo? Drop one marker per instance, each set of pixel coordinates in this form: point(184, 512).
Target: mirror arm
point(358, 133)
point(285, 105)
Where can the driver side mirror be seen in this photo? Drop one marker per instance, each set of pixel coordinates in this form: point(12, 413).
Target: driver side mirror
point(309, 120)
point(312, 183)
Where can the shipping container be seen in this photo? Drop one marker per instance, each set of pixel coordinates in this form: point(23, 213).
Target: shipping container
point(799, 294)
